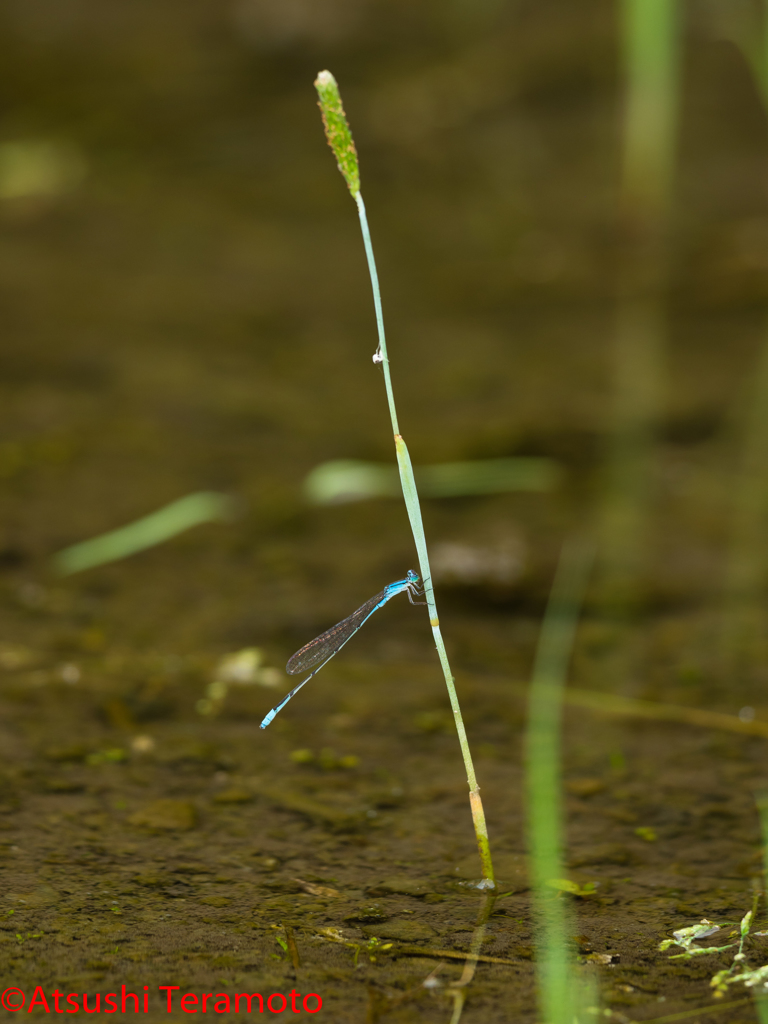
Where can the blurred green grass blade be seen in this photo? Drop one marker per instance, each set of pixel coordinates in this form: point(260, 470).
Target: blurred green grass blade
point(558, 997)
point(159, 526)
point(488, 476)
point(651, 43)
point(652, 60)
point(346, 480)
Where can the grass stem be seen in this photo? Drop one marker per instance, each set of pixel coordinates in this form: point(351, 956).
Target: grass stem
point(543, 784)
point(651, 61)
point(342, 144)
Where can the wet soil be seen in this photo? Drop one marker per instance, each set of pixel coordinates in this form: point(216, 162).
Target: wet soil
point(196, 315)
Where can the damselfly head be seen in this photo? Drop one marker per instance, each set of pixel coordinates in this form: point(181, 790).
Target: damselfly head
point(412, 577)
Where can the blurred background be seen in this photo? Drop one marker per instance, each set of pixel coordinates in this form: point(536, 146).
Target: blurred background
point(569, 210)
point(186, 306)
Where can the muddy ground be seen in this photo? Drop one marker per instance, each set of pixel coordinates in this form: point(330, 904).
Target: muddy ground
point(194, 314)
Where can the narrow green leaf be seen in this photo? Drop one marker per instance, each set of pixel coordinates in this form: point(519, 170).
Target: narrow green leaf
point(343, 480)
point(411, 496)
point(159, 526)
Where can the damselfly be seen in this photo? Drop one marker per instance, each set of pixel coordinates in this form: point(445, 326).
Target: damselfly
point(319, 651)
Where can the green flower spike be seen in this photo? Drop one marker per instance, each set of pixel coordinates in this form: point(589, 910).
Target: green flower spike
point(337, 130)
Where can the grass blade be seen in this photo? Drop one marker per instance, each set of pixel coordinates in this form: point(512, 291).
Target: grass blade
point(557, 983)
point(340, 140)
point(159, 526)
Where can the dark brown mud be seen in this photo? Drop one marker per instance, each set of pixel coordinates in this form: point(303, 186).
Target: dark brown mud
point(195, 314)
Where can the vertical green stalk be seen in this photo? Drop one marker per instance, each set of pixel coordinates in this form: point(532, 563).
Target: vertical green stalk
point(557, 991)
point(341, 142)
point(650, 36)
point(651, 57)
